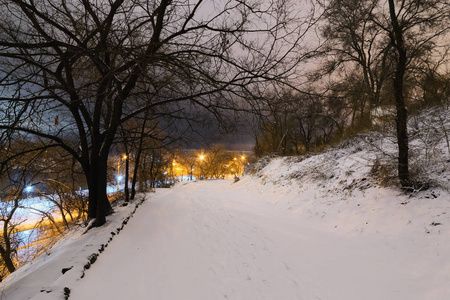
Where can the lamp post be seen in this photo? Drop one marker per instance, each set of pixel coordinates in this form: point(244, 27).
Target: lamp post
point(118, 174)
point(127, 194)
point(120, 177)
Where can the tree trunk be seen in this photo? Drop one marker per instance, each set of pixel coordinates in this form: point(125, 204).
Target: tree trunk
point(138, 157)
point(99, 206)
point(104, 207)
point(402, 133)
point(402, 112)
point(152, 179)
point(5, 251)
point(126, 189)
point(5, 247)
point(135, 174)
point(92, 189)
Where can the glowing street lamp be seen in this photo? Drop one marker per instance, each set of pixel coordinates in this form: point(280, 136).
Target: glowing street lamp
point(28, 190)
point(120, 177)
point(118, 174)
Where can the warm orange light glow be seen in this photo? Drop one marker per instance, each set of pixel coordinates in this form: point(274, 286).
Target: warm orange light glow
point(242, 157)
point(124, 156)
point(201, 157)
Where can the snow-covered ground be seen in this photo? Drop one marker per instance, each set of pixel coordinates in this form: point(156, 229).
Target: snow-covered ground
point(318, 227)
point(43, 278)
point(225, 240)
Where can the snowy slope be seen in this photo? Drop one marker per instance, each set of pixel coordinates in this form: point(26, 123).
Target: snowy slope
point(354, 187)
point(329, 226)
point(48, 275)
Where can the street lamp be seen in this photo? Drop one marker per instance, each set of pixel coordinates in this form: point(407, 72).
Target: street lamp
point(120, 177)
point(127, 194)
point(118, 174)
point(28, 190)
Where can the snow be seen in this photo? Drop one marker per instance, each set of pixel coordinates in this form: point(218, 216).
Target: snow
point(317, 227)
point(219, 240)
point(43, 278)
point(244, 240)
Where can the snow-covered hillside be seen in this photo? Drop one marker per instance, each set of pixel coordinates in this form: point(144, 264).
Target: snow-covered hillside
point(328, 226)
point(354, 185)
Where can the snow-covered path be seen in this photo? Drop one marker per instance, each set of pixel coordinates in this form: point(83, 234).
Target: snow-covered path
point(219, 240)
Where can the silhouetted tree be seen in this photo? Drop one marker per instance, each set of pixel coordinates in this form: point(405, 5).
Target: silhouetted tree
point(385, 40)
point(72, 71)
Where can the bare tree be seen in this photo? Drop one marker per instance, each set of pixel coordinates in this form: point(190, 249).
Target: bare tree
point(16, 172)
point(292, 123)
point(353, 38)
point(72, 71)
point(8, 244)
point(214, 162)
point(387, 40)
point(431, 19)
point(189, 160)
